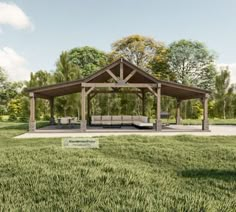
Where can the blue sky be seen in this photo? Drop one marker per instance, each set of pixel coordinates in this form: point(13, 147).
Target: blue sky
point(34, 37)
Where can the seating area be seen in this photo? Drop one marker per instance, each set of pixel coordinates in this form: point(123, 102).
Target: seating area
point(137, 121)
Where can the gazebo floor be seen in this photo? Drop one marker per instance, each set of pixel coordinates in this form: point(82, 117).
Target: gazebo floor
point(95, 129)
point(172, 130)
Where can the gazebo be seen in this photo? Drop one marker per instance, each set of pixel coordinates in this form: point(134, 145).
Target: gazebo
point(119, 74)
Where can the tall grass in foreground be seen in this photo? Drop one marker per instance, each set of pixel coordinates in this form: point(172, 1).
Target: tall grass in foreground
point(135, 173)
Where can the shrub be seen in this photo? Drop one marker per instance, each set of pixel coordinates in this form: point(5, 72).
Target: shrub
point(24, 119)
point(12, 117)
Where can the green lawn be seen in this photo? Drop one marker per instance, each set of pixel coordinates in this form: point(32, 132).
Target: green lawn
point(211, 121)
point(182, 173)
point(199, 121)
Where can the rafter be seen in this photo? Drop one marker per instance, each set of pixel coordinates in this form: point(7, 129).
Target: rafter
point(130, 75)
point(112, 75)
point(121, 70)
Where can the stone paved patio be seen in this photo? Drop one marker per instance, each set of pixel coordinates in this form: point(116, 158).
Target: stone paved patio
point(172, 130)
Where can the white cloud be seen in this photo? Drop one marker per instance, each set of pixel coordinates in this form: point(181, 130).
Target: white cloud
point(14, 64)
point(232, 69)
point(11, 14)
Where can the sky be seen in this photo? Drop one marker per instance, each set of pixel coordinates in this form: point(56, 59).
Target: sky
point(34, 33)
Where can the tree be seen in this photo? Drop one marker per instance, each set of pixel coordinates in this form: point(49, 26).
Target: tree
point(192, 64)
point(137, 49)
point(3, 87)
point(13, 109)
point(88, 59)
point(40, 78)
point(224, 91)
point(8, 91)
point(66, 70)
point(159, 65)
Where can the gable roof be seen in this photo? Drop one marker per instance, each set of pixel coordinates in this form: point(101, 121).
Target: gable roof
point(102, 76)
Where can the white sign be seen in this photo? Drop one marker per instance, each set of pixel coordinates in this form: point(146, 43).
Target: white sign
point(80, 143)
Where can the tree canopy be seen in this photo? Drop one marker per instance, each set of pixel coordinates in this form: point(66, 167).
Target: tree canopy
point(137, 49)
point(192, 63)
point(66, 70)
point(88, 59)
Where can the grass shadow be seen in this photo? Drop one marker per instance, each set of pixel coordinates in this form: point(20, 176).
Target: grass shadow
point(226, 175)
point(21, 126)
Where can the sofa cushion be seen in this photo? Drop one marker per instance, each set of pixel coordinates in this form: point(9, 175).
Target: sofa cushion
point(136, 118)
point(144, 119)
point(96, 118)
point(127, 120)
point(116, 118)
point(96, 122)
point(106, 118)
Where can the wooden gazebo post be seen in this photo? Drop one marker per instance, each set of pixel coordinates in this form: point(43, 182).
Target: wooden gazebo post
point(88, 109)
point(158, 107)
point(32, 122)
point(205, 122)
point(143, 102)
point(178, 104)
point(52, 120)
point(83, 123)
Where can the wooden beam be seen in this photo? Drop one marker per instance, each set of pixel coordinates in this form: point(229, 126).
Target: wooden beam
point(130, 75)
point(88, 105)
point(115, 85)
point(109, 91)
point(121, 70)
point(112, 75)
point(152, 91)
point(143, 102)
point(89, 91)
point(42, 96)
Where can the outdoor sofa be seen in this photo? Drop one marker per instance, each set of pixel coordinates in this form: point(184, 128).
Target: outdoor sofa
point(137, 121)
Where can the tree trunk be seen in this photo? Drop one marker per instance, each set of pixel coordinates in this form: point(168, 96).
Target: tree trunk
point(224, 106)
